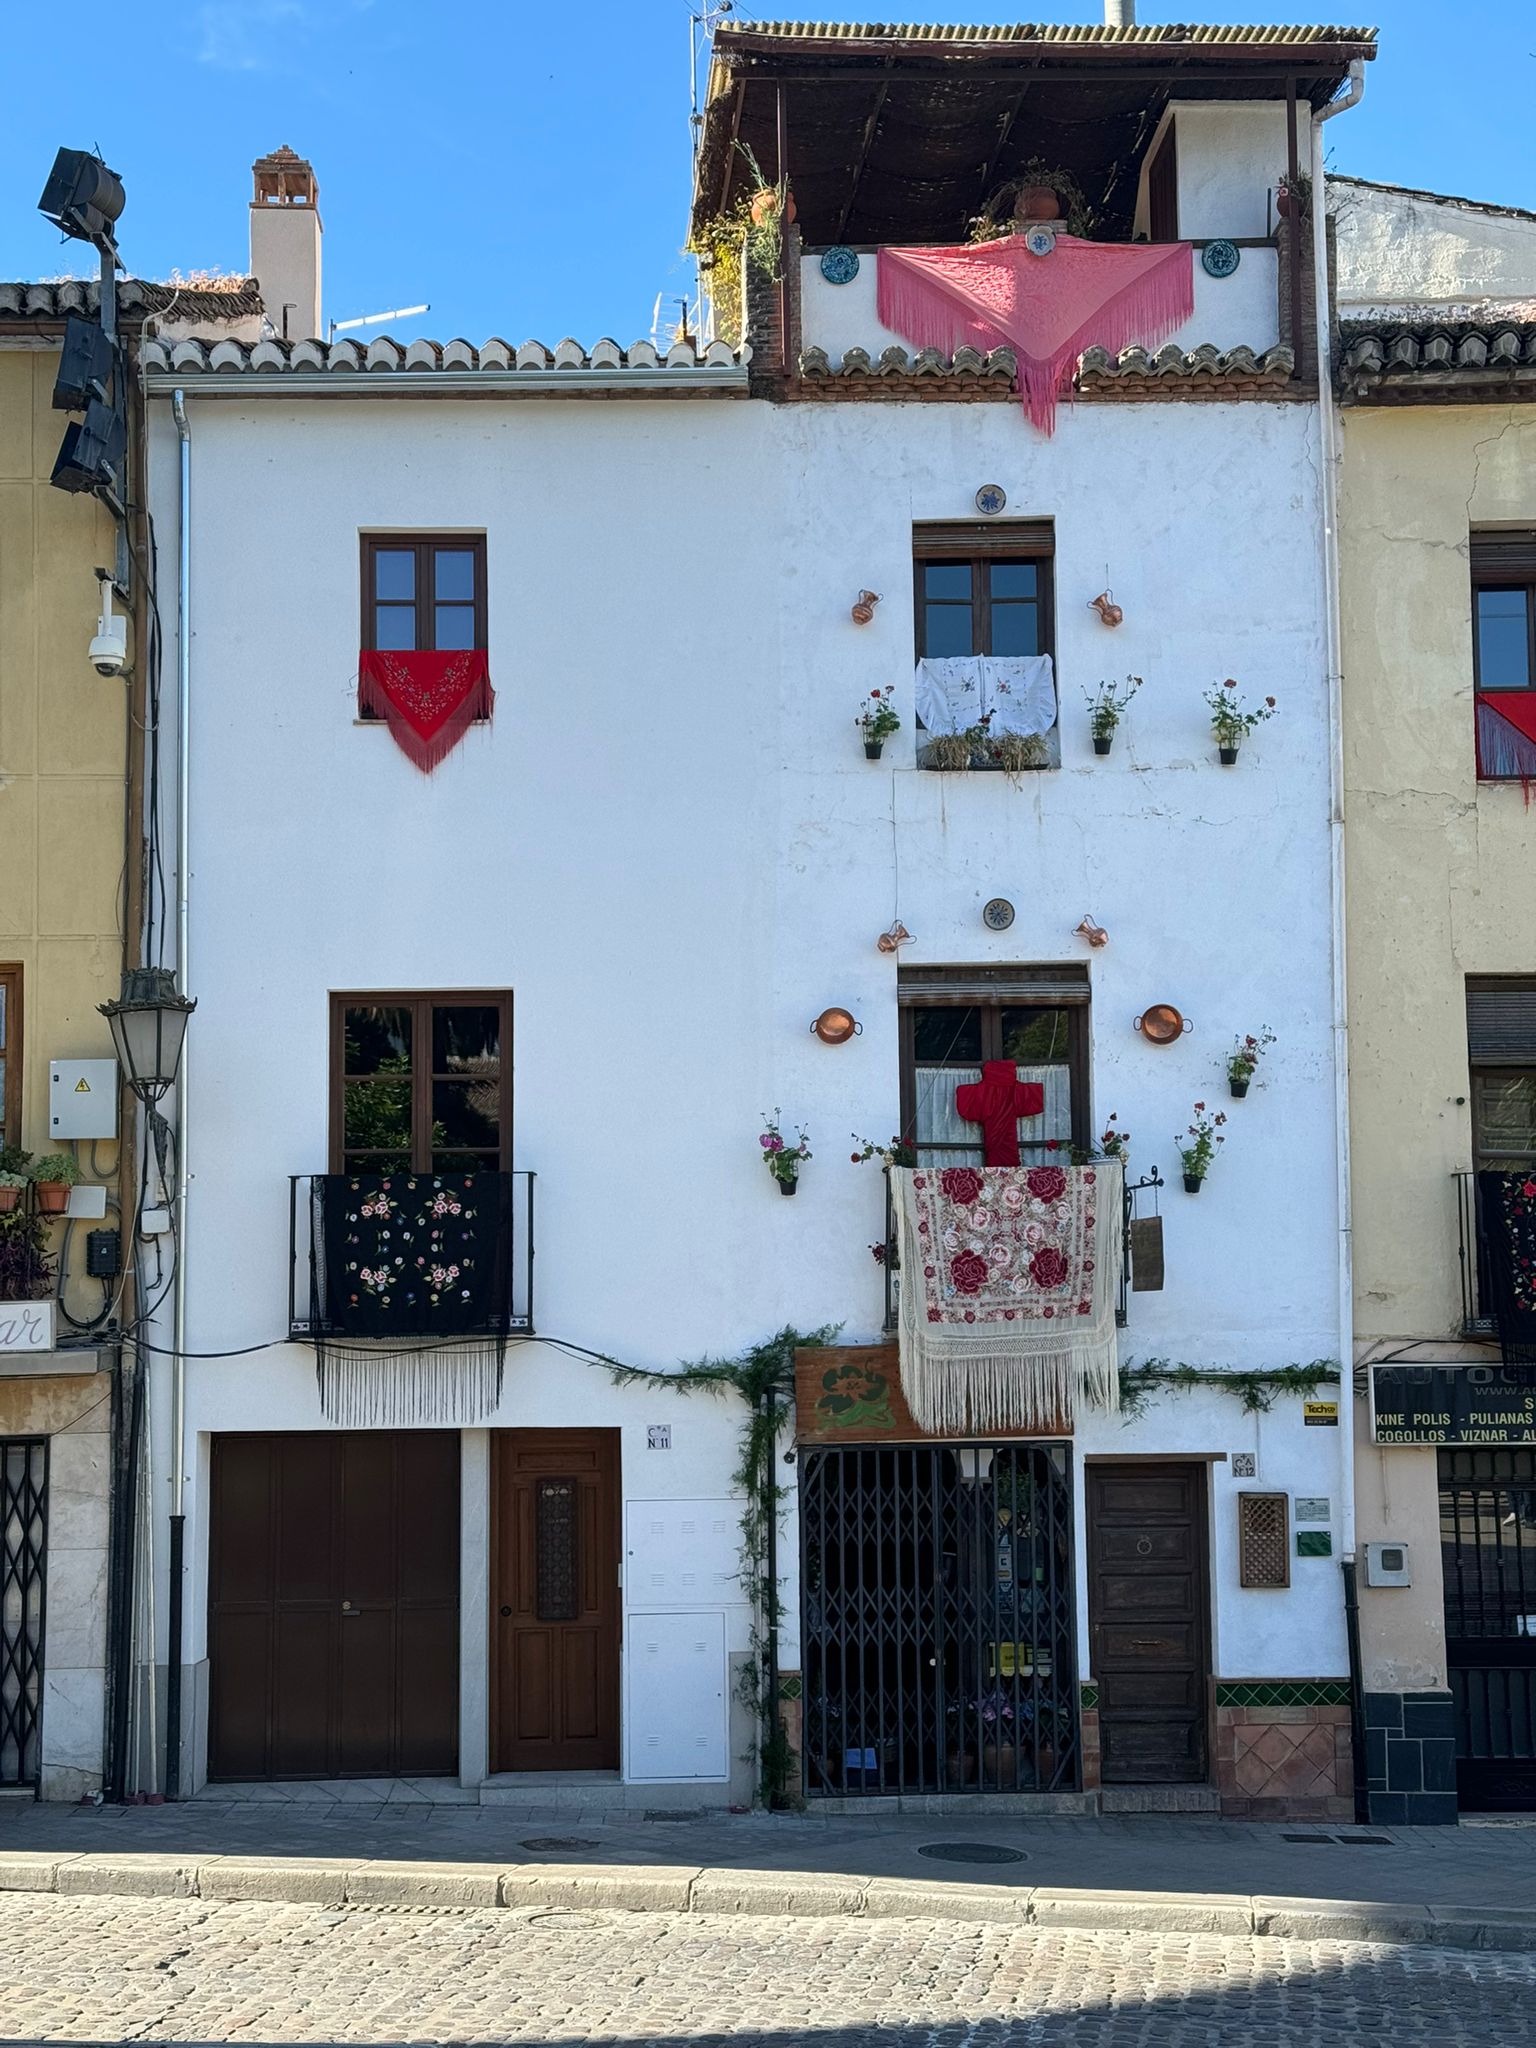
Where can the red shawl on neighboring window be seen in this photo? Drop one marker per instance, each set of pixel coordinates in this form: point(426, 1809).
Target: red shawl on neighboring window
point(1047, 309)
point(428, 700)
point(1506, 736)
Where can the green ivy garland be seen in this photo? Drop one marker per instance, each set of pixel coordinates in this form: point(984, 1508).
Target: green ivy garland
point(1257, 1390)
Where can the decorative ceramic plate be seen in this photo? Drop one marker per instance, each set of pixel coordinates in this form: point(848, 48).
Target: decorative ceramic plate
point(1220, 259)
point(1039, 241)
point(839, 266)
point(998, 914)
point(991, 498)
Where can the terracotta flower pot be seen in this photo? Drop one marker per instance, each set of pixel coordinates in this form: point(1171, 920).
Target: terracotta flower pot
point(1193, 1182)
point(1102, 742)
point(1037, 202)
point(10, 1198)
point(1285, 202)
point(1239, 1088)
point(873, 749)
point(52, 1196)
point(959, 1768)
point(1227, 756)
point(765, 205)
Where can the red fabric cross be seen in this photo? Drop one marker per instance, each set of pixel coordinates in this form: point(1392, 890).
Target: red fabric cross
point(996, 1102)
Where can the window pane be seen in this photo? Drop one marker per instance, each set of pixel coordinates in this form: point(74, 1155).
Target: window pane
point(466, 1039)
point(394, 572)
point(4, 992)
point(455, 571)
point(947, 1032)
point(377, 1039)
point(377, 1114)
point(378, 1162)
point(1014, 579)
point(1504, 1117)
point(394, 626)
point(947, 579)
point(1034, 1036)
point(1503, 642)
point(946, 629)
point(455, 626)
point(466, 1113)
point(1015, 629)
point(464, 1162)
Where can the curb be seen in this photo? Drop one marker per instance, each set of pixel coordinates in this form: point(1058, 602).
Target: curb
point(360, 1881)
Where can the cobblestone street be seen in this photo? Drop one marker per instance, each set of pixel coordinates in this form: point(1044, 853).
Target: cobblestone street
point(115, 1969)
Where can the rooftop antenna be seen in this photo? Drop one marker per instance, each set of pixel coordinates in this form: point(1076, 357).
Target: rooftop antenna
point(373, 319)
point(703, 21)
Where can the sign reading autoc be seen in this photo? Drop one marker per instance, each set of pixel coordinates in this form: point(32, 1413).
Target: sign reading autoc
point(1465, 1404)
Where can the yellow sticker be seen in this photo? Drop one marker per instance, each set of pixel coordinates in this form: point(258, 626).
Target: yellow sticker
point(1320, 1414)
point(82, 1086)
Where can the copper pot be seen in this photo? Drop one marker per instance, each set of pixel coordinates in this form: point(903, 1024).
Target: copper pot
point(1107, 609)
point(1161, 1024)
point(864, 608)
point(836, 1026)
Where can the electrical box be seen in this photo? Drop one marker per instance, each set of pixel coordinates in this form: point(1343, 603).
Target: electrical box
point(103, 1254)
point(82, 1099)
point(1387, 1564)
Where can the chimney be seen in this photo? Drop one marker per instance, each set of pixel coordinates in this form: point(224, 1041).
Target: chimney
point(285, 244)
point(1119, 13)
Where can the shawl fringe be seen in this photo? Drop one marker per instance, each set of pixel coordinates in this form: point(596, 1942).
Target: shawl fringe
point(426, 750)
point(366, 1388)
point(1503, 749)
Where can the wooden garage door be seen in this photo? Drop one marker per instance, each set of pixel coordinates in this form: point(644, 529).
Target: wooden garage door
point(333, 1614)
point(1148, 1607)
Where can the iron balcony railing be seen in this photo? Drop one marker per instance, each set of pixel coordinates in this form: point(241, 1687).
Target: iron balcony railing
point(1476, 1321)
point(503, 1302)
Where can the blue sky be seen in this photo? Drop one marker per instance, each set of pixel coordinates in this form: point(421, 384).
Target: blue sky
point(525, 170)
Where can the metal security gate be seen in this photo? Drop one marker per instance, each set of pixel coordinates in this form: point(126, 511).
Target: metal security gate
point(1488, 1540)
point(23, 1537)
point(937, 1638)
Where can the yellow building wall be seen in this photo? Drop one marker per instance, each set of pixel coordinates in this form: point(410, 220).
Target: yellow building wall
point(1441, 880)
point(63, 745)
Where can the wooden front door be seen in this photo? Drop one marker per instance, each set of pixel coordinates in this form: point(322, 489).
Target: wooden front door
point(333, 1608)
point(1148, 1610)
point(555, 1600)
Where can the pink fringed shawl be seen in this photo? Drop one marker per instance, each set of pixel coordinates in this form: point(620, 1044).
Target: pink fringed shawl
point(1047, 309)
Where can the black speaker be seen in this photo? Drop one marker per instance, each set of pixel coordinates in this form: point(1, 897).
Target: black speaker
point(86, 364)
point(82, 196)
point(92, 454)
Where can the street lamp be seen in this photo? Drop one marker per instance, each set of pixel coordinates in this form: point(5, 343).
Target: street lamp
point(148, 1023)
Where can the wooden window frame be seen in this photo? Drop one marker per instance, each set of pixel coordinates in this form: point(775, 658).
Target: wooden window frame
point(424, 546)
point(1504, 559)
point(977, 544)
point(1163, 187)
point(11, 1046)
point(991, 1008)
point(422, 1002)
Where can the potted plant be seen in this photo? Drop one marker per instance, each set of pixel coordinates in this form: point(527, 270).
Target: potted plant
point(11, 1185)
point(877, 721)
point(898, 1153)
point(1039, 192)
point(1243, 1060)
point(999, 1738)
point(25, 1271)
point(1115, 1143)
point(783, 1161)
point(1231, 721)
point(52, 1178)
point(1199, 1157)
point(1293, 195)
point(1106, 708)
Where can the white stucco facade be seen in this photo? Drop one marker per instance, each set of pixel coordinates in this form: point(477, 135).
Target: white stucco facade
point(668, 844)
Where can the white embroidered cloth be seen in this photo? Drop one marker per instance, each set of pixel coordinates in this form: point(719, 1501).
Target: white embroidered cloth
point(1010, 1276)
point(954, 692)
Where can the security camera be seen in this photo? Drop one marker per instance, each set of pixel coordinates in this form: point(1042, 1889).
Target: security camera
point(109, 649)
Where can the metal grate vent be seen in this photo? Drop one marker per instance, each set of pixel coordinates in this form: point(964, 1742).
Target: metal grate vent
point(557, 1594)
point(1263, 1541)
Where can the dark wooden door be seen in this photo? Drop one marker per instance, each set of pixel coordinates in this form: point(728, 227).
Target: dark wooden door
point(1148, 1609)
point(555, 1600)
point(333, 1609)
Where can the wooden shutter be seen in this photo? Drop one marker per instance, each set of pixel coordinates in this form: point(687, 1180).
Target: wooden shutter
point(1504, 555)
point(969, 538)
point(1045, 985)
point(1263, 1541)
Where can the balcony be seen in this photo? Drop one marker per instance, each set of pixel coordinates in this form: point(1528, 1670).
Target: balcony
point(408, 1257)
point(1476, 1319)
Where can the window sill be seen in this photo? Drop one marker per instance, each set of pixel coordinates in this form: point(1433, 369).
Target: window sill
point(382, 724)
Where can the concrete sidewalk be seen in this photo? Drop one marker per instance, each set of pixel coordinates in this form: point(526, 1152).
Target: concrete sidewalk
point(1472, 1886)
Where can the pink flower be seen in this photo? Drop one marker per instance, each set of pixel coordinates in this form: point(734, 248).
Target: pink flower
point(960, 1183)
point(968, 1271)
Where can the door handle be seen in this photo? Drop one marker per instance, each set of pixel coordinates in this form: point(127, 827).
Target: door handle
point(506, 1613)
point(349, 1612)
